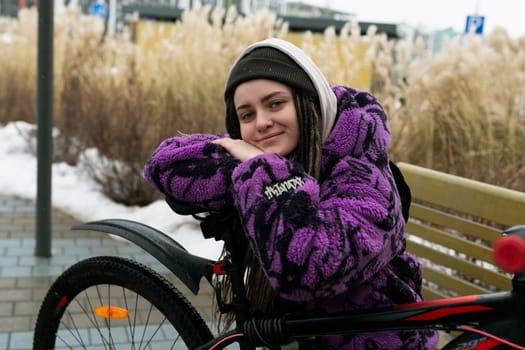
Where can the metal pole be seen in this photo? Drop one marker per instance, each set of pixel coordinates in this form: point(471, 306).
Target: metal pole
point(476, 10)
point(45, 124)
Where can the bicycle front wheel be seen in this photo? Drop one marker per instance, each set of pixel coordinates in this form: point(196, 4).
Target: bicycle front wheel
point(116, 303)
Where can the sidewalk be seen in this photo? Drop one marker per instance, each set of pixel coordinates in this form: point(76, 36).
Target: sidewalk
point(24, 278)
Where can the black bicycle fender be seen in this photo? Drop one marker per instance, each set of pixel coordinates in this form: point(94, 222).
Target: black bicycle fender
point(187, 267)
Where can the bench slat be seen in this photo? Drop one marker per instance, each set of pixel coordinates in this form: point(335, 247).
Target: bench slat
point(490, 202)
point(455, 284)
point(451, 241)
point(489, 277)
point(468, 227)
point(432, 294)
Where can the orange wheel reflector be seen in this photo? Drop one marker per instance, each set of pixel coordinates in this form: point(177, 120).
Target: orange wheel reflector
point(111, 312)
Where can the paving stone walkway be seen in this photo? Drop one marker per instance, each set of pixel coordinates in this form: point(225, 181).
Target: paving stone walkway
point(25, 278)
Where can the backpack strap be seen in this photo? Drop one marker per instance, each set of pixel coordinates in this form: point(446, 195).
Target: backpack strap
point(402, 188)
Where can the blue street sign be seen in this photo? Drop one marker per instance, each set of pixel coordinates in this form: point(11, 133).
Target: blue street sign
point(475, 24)
point(99, 9)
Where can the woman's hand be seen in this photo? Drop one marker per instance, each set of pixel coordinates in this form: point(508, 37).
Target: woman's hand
point(238, 148)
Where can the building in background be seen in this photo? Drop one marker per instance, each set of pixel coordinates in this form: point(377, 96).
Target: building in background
point(9, 8)
point(156, 18)
point(301, 9)
point(277, 6)
point(299, 15)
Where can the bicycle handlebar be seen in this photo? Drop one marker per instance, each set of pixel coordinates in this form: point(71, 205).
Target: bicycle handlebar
point(509, 250)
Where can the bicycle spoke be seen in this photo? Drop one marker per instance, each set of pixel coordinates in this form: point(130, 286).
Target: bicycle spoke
point(87, 313)
point(108, 327)
point(117, 304)
point(74, 331)
point(154, 333)
point(141, 323)
point(131, 326)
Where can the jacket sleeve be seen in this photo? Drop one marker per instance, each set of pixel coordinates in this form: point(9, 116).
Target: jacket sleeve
point(192, 170)
point(316, 239)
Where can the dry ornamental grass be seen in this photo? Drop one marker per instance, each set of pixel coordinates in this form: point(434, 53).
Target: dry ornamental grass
point(460, 110)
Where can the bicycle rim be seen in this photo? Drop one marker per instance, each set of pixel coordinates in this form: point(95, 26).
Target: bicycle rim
point(116, 303)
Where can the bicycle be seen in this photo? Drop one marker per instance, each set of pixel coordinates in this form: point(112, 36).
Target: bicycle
point(147, 311)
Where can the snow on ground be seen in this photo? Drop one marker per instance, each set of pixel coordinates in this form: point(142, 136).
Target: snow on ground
point(78, 196)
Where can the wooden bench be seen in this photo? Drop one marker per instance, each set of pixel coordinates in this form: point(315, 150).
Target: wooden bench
point(453, 224)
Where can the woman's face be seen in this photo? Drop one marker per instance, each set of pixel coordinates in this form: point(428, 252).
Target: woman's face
point(267, 116)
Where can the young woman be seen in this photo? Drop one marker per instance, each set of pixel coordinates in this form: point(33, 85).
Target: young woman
point(306, 168)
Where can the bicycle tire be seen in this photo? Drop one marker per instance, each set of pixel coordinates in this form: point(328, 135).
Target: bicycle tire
point(68, 312)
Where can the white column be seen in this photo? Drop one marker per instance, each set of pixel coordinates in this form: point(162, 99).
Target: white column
point(112, 20)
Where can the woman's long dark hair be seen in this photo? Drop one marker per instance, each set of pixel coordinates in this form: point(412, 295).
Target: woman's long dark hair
point(307, 153)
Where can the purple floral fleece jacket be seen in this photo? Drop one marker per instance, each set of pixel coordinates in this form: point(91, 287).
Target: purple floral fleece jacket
point(330, 245)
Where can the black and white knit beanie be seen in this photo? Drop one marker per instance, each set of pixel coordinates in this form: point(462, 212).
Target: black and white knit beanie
point(282, 61)
point(268, 63)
